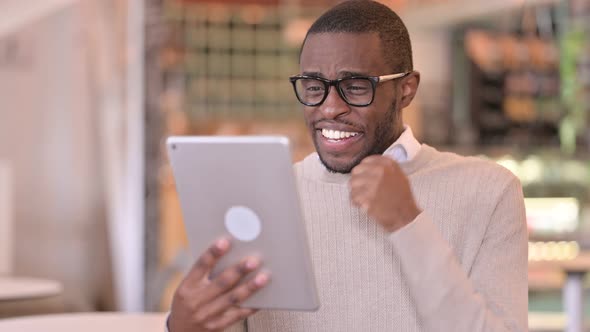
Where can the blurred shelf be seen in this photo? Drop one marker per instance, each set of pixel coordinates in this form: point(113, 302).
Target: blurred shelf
point(445, 14)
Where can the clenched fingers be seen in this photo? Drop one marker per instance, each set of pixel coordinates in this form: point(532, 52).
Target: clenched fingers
point(227, 279)
point(234, 297)
point(228, 318)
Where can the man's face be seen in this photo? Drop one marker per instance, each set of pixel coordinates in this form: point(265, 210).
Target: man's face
point(371, 129)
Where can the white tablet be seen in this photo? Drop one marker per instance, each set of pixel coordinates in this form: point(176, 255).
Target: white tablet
point(243, 187)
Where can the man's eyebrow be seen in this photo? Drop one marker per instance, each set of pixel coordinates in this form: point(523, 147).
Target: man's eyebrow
point(347, 73)
point(313, 74)
point(342, 74)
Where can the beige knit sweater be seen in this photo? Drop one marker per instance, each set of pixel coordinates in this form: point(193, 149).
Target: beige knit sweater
point(460, 266)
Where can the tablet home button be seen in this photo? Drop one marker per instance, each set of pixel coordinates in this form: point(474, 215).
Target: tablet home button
point(242, 223)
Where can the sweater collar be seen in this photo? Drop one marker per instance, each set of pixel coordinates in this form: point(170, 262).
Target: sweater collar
point(405, 148)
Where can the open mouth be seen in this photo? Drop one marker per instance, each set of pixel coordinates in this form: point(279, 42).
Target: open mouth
point(337, 135)
point(338, 142)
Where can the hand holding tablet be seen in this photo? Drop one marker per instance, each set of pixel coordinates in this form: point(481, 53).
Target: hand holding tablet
point(207, 304)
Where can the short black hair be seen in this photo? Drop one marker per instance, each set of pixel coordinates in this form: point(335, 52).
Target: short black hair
point(366, 16)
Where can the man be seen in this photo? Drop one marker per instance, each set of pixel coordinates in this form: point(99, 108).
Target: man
point(403, 237)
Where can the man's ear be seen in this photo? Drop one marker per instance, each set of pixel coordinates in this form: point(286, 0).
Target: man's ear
point(409, 88)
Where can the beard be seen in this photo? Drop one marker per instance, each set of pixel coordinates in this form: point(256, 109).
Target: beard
point(383, 138)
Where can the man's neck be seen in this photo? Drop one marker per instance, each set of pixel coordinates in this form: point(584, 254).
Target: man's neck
point(398, 130)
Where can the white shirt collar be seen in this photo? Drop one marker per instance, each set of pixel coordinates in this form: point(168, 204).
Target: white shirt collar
point(405, 148)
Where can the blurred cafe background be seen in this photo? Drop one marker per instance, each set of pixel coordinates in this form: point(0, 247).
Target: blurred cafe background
point(90, 89)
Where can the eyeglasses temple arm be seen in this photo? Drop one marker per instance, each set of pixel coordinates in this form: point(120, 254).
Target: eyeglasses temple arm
point(385, 78)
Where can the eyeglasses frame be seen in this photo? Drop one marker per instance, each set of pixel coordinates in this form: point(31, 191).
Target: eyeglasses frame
point(336, 83)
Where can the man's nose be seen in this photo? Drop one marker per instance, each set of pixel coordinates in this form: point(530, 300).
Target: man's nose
point(334, 106)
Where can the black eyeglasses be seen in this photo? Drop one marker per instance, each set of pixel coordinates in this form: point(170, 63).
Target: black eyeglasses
point(355, 91)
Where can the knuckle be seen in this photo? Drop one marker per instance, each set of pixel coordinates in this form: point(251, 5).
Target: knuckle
point(243, 292)
point(185, 301)
point(204, 261)
point(380, 170)
point(200, 318)
point(234, 299)
point(222, 282)
point(182, 293)
point(241, 269)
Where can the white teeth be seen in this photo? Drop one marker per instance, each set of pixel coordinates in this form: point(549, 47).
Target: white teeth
point(336, 134)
